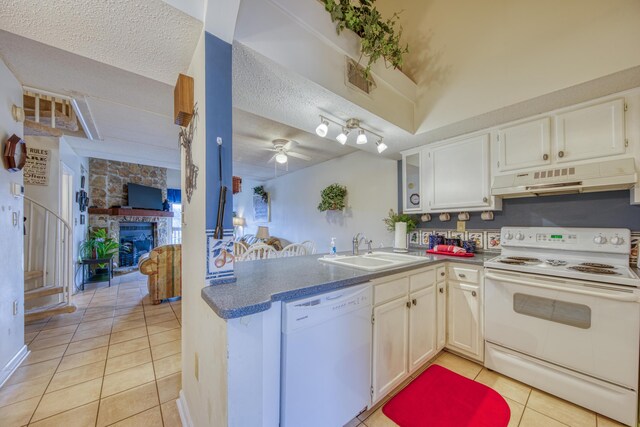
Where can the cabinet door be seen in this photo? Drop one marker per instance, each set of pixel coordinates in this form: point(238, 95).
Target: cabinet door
point(422, 326)
point(412, 193)
point(464, 327)
point(525, 145)
point(591, 132)
point(441, 309)
point(459, 174)
point(390, 346)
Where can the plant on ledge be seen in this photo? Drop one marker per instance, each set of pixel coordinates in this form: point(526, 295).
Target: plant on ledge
point(379, 38)
point(393, 218)
point(99, 246)
point(332, 198)
point(259, 191)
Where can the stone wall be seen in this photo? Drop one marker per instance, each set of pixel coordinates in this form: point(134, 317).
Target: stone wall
point(108, 181)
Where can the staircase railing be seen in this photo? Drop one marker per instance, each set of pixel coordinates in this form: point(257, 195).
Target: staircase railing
point(48, 248)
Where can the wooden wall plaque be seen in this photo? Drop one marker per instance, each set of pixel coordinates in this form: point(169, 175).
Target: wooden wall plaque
point(183, 100)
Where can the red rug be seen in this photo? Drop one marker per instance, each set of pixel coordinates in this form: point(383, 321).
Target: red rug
point(441, 398)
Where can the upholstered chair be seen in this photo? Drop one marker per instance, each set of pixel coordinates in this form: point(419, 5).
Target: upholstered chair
point(163, 266)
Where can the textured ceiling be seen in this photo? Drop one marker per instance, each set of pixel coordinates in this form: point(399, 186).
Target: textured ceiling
point(149, 37)
point(252, 136)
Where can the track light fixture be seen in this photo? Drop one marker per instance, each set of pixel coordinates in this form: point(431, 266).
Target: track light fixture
point(350, 125)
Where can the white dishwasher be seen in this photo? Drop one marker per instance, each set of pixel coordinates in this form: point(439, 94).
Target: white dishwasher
point(326, 358)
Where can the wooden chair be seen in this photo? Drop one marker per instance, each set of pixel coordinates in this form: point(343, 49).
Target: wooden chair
point(309, 246)
point(259, 251)
point(294, 249)
point(239, 249)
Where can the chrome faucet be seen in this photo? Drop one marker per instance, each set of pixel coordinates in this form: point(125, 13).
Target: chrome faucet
point(357, 239)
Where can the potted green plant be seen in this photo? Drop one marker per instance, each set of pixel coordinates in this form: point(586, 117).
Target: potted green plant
point(401, 224)
point(333, 198)
point(99, 246)
point(380, 38)
point(260, 191)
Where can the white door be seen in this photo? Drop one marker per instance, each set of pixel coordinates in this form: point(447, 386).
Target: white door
point(422, 327)
point(464, 333)
point(441, 308)
point(591, 132)
point(390, 346)
point(525, 145)
point(412, 180)
point(459, 174)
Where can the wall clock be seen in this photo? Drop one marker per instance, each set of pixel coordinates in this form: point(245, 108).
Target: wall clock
point(15, 153)
point(414, 199)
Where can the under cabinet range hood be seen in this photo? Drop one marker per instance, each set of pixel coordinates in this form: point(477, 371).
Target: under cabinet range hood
point(617, 174)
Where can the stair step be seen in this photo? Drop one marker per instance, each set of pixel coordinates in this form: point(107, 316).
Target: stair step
point(49, 310)
point(34, 274)
point(42, 292)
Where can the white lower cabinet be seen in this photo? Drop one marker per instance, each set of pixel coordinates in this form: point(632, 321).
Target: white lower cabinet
point(464, 319)
point(441, 309)
point(422, 327)
point(390, 346)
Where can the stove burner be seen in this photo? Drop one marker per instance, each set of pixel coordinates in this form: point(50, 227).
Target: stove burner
point(593, 270)
point(511, 261)
point(523, 259)
point(556, 262)
point(596, 265)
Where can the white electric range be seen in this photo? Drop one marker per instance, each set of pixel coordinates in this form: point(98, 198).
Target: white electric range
point(562, 313)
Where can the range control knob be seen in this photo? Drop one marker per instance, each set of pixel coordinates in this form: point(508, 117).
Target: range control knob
point(599, 240)
point(519, 236)
point(508, 236)
point(616, 240)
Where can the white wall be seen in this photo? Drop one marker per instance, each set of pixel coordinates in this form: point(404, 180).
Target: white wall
point(243, 206)
point(173, 178)
point(372, 190)
point(11, 279)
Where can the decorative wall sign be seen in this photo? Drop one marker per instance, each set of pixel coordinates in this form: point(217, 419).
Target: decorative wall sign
point(36, 170)
point(220, 258)
point(261, 208)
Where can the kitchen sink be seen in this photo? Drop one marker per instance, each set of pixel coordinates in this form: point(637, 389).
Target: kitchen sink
point(372, 262)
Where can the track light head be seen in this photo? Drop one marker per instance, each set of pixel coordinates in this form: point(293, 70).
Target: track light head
point(322, 128)
point(342, 137)
point(381, 146)
point(362, 137)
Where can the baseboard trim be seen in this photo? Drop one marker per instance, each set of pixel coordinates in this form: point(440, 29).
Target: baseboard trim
point(183, 410)
point(13, 364)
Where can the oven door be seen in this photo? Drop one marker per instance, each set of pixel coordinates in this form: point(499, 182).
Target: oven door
point(587, 327)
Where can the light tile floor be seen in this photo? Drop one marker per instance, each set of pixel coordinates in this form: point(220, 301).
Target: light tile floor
point(115, 361)
point(529, 406)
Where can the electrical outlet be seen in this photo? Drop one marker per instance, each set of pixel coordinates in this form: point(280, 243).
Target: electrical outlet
point(15, 308)
point(196, 368)
point(461, 226)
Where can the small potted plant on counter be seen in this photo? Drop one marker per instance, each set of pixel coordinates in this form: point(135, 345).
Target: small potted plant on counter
point(401, 224)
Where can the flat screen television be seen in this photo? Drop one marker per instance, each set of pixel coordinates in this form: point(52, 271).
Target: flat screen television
point(143, 197)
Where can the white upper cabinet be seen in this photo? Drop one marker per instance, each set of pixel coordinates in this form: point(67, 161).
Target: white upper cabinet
point(524, 145)
point(458, 175)
point(590, 132)
point(412, 180)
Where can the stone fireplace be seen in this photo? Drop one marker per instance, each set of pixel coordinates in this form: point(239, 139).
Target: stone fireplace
point(136, 239)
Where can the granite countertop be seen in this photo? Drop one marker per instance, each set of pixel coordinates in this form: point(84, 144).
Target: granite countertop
point(281, 279)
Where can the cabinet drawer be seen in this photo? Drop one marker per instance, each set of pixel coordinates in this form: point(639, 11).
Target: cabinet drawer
point(462, 274)
point(390, 290)
point(422, 280)
point(441, 273)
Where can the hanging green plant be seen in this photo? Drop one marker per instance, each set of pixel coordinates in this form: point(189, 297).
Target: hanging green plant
point(380, 38)
point(332, 198)
point(393, 218)
point(259, 191)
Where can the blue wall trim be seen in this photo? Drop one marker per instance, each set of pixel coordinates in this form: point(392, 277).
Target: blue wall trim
point(219, 107)
point(603, 209)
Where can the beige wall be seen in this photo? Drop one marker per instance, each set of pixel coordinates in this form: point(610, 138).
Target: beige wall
point(470, 57)
point(204, 334)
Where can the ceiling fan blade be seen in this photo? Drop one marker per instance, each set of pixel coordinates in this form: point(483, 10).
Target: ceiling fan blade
point(289, 145)
point(299, 156)
point(273, 158)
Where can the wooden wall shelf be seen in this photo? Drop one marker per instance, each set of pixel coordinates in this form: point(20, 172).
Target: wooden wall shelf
point(129, 212)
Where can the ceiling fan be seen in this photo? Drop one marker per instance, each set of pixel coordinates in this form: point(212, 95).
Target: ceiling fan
point(283, 149)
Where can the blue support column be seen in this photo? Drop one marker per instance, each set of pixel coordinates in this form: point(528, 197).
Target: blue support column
point(219, 127)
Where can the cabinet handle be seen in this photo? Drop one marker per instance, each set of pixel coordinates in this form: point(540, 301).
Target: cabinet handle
point(441, 290)
point(414, 301)
point(484, 200)
point(473, 293)
point(462, 275)
point(408, 304)
point(560, 153)
point(545, 157)
point(442, 273)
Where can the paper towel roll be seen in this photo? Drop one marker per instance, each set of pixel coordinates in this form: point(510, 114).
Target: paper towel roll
point(400, 244)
